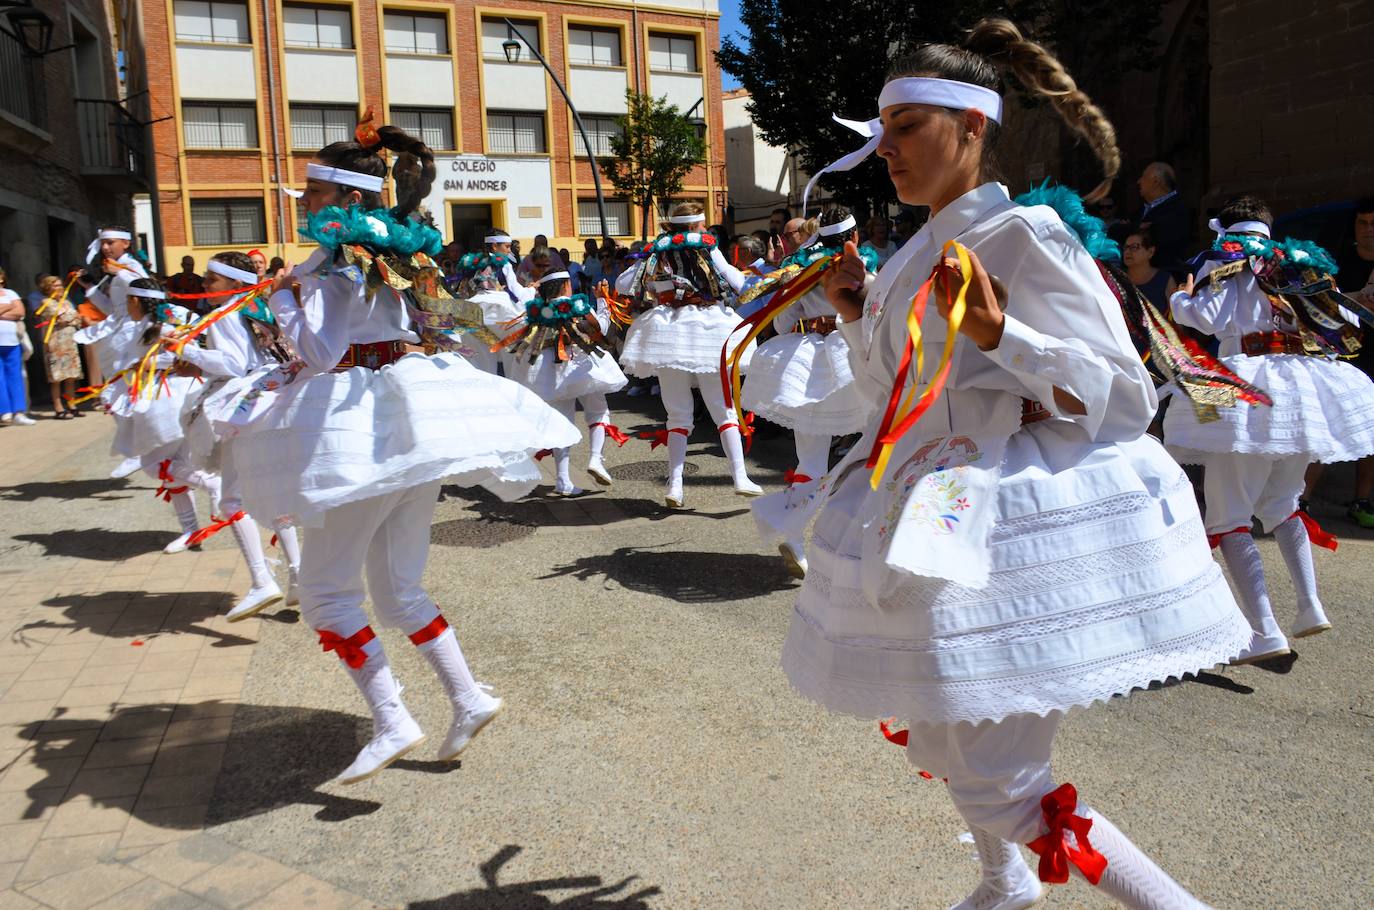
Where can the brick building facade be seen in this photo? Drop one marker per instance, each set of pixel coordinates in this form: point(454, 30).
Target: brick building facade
point(252, 89)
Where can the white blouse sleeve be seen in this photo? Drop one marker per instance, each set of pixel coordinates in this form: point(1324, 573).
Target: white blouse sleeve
point(318, 326)
point(733, 276)
point(1209, 309)
point(1063, 330)
point(231, 349)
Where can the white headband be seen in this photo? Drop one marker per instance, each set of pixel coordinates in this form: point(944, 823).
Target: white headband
point(964, 96)
point(228, 271)
point(344, 178)
point(830, 230)
point(294, 194)
point(150, 293)
point(686, 219)
point(94, 246)
point(1240, 227)
point(555, 276)
point(497, 238)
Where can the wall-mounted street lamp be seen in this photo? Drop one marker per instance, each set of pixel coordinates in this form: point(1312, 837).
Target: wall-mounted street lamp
point(31, 27)
point(511, 48)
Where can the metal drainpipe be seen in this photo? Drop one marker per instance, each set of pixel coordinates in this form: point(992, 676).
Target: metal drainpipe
point(270, 51)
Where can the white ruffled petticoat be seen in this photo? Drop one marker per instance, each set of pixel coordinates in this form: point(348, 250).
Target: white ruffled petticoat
point(148, 425)
point(802, 381)
point(582, 374)
point(306, 443)
point(1097, 579)
point(1322, 408)
point(687, 338)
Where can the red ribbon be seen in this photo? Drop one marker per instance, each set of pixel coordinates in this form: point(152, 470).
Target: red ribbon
point(247, 291)
point(747, 430)
point(792, 477)
point(896, 737)
point(350, 650)
point(165, 476)
point(200, 535)
point(431, 631)
point(1053, 847)
point(660, 437)
point(1214, 540)
point(1323, 539)
point(542, 454)
point(273, 541)
point(614, 432)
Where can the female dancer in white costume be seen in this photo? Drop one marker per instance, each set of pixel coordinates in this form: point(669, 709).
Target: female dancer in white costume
point(1028, 549)
point(354, 438)
point(488, 279)
point(684, 285)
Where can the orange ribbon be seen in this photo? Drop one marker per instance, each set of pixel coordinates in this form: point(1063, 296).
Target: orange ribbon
point(350, 650)
point(200, 535)
point(1053, 847)
point(366, 133)
point(613, 431)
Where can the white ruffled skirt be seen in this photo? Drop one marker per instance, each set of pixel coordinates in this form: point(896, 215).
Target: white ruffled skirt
point(687, 338)
point(802, 381)
point(1101, 582)
point(582, 374)
point(147, 424)
point(306, 443)
point(1323, 409)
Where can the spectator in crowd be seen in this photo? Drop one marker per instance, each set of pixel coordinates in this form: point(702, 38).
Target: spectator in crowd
point(34, 299)
point(1165, 215)
point(61, 358)
point(778, 220)
point(540, 242)
point(591, 261)
point(259, 261)
point(536, 265)
point(880, 239)
point(186, 281)
point(790, 239)
point(14, 400)
point(1137, 253)
point(275, 266)
point(1115, 225)
point(1356, 278)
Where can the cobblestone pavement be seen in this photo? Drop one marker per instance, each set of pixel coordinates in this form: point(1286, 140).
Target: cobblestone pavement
point(651, 754)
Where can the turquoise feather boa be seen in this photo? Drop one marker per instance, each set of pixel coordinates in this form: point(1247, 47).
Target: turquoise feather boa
point(1303, 254)
point(332, 227)
point(1091, 230)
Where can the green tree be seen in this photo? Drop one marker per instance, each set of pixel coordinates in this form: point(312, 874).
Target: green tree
point(654, 152)
point(802, 61)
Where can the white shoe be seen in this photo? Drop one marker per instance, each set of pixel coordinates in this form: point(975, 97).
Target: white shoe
point(254, 602)
point(293, 587)
point(180, 544)
point(673, 497)
point(746, 487)
point(1311, 620)
point(396, 737)
point(988, 896)
point(1262, 647)
point(597, 468)
point(23, 420)
point(568, 489)
point(125, 468)
point(478, 710)
point(793, 558)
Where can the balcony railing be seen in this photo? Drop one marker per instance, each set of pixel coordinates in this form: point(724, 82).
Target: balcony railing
point(22, 88)
point(113, 143)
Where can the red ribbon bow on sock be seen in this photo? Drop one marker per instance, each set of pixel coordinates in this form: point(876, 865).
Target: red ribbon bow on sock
point(215, 526)
point(660, 437)
point(1053, 847)
point(1321, 538)
point(432, 630)
point(350, 650)
point(165, 476)
point(613, 431)
point(792, 477)
point(1214, 540)
point(746, 430)
point(542, 454)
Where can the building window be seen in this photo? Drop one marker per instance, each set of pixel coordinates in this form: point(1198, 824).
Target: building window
point(207, 125)
point(317, 26)
point(313, 126)
point(217, 21)
point(513, 133)
point(433, 125)
point(601, 128)
point(227, 222)
point(494, 35)
point(416, 33)
point(594, 46)
point(673, 53)
point(617, 218)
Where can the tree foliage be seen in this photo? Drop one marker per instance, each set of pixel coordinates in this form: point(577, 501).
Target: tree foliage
point(655, 151)
point(802, 61)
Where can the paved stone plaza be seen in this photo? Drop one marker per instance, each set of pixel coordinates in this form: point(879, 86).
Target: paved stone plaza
point(650, 755)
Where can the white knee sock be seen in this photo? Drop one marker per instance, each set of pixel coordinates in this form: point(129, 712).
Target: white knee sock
point(290, 544)
point(245, 531)
point(1132, 878)
point(733, 444)
point(1247, 571)
point(1296, 548)
point(446, 657)
point(813, 454)
point(596, 440)
point(677, 458)
point(562, 460)
point(184, 504)
point(1007, 881)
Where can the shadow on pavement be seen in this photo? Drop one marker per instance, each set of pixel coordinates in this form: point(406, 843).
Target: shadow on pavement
point(531, 895)
point(683, 575)
point(141, 615)
point(100, 543)
point(275, 756)
point(98, 489)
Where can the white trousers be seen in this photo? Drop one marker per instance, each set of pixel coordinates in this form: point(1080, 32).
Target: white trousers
point(675, 386)
point(389, 536)
point(1238, 487)
point(997, 771)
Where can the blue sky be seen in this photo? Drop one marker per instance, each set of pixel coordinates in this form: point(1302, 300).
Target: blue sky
point(729, 25)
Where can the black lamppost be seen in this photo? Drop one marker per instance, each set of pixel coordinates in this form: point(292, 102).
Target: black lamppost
point(31, 27)
point(511, 47)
